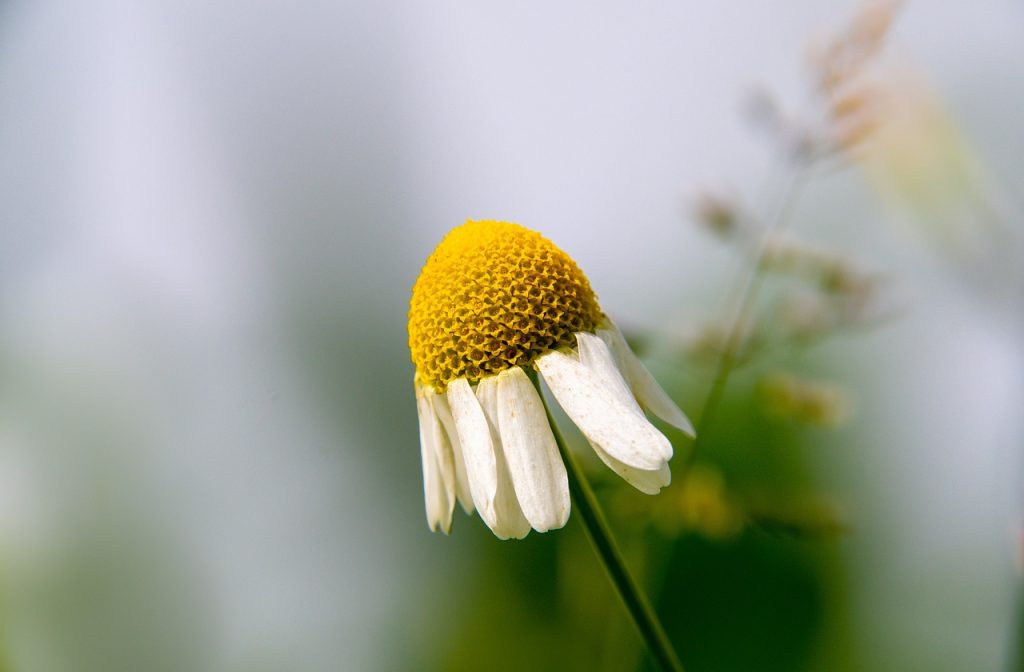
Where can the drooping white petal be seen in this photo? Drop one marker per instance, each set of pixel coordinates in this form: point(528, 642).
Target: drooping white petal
point(538, 475)
point(646, 389)
point(477, 447)
point(438, 516)
point(440, 405)
point(509, 519)
point(647, 482)
point(438, 472)
point(618, 429)
point(596, 356)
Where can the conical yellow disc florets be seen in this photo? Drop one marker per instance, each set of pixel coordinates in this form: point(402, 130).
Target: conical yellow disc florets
point(494, 295)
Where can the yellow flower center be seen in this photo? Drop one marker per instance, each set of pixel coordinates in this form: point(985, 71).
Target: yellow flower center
point(494, 295)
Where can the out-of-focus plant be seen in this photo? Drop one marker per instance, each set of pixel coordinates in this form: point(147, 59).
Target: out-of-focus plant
point(742, 551)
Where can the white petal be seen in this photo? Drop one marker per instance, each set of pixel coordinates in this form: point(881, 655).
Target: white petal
point(617, 428)
point(444, 455)
point(477, 448)
point(440, 405)
point(438, 467)
point(646, 389)
point(596, 356)
point(647, 482)
point(509, 519)
point(538, 474)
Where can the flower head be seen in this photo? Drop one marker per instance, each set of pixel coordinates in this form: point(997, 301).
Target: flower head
point(493, 300)
point(494, 295)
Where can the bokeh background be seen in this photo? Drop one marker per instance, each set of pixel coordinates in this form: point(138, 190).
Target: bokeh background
point(211, 214)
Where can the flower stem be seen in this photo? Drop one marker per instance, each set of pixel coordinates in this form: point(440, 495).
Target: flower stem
point(600, 535)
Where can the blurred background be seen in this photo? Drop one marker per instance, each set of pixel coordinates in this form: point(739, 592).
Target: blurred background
point(211, 216)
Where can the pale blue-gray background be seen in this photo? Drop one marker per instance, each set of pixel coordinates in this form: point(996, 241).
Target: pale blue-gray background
point(210, 218)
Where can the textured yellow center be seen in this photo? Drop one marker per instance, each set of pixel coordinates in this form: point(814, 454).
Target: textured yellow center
point(494, 295)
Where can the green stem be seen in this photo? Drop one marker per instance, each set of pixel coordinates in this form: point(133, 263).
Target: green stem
point(600, 535)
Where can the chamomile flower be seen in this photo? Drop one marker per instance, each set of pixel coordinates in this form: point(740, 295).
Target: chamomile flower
point(493, 301)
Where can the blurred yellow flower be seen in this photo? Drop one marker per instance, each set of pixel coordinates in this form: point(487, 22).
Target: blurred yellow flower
point(705, 505)
point(789, 397)
point(492, 299)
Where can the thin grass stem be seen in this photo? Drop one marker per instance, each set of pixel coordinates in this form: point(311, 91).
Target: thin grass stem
point(736, 335)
